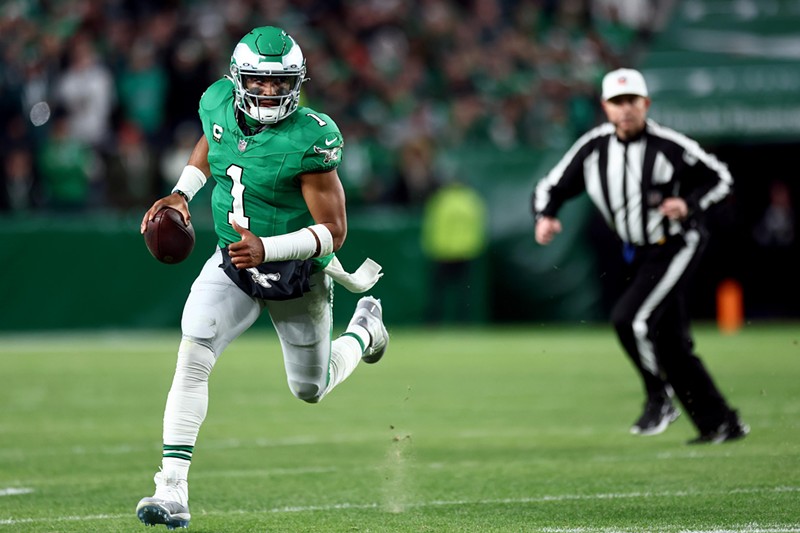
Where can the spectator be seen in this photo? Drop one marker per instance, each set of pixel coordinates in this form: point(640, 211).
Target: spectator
point(775, 240)
point(17, 194)
point(86, 91)
point(416, 179)
point(776, 228)
point(453, 238)
point(133, 169)
point(142, 86)
point(188, 74)
point(391, 71)
point(174, 158)
point(66, 164)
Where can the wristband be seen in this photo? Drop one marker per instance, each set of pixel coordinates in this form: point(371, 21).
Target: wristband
point(192, 180)
point(313, 241)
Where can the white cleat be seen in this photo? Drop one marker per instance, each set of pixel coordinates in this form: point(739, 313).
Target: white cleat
point(168, 506)
point(369, 315)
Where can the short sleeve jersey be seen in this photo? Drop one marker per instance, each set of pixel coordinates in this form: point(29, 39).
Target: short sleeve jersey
point(256, 175)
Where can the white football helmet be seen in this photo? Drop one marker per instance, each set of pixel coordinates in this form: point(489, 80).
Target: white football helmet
point(268, 69)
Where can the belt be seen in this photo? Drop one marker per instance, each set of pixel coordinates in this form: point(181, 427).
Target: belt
point(660, 242)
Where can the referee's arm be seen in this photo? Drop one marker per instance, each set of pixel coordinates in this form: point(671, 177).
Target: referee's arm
point(560, 184)
point(708, 182)
point(565, 181)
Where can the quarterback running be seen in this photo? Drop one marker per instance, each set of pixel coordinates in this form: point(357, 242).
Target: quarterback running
point(279, 214)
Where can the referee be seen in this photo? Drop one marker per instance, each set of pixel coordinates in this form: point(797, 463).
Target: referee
point(651, 184)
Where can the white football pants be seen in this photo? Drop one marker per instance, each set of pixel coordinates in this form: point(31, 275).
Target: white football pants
point(217, 311)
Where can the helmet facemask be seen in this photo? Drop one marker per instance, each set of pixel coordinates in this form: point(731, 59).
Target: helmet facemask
point(268, 69)
point(265, 97)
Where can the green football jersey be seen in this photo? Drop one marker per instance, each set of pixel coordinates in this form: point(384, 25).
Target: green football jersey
point(256, 175)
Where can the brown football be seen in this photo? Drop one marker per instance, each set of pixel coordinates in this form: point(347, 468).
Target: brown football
point(167, 238)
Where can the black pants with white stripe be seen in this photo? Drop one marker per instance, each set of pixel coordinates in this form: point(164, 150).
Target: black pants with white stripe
point(652, 321)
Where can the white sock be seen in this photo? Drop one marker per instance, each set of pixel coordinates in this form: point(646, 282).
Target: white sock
point(176, 468)
point(345, 356)
point(187, 402)
point(361, 332)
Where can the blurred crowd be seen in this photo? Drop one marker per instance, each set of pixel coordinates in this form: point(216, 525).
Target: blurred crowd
point(98, 99)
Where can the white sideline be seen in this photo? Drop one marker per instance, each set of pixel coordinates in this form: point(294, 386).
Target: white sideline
point(13, 491)
point(742, 528)
point(747, 528)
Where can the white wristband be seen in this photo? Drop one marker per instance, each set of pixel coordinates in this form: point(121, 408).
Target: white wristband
point(313, 241)
point(192, 180)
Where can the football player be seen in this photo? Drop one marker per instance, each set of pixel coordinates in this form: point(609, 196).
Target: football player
point(279, 214)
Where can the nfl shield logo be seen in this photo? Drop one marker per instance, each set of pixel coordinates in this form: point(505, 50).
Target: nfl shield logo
point(242, 145)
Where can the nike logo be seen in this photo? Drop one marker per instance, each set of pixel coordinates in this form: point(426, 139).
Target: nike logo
point(329, 142)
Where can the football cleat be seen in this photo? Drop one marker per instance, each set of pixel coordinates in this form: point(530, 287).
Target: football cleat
point(369, 315)
point(168, 506)
point(658, 414)
point(731, 429)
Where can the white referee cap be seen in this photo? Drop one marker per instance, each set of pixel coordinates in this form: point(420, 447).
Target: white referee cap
point(623, 81)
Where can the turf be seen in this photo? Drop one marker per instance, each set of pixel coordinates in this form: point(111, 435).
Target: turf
point(473, 430)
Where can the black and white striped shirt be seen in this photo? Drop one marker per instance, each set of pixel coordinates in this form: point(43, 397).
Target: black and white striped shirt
point(628, 180)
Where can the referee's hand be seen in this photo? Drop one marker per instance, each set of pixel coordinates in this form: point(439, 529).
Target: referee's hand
point(546, 229)
point(674, 208)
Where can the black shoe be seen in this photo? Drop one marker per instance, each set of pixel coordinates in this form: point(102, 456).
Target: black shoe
point(733, 429)
point(658, 414)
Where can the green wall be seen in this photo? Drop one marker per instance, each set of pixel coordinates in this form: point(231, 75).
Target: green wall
point(93, 270)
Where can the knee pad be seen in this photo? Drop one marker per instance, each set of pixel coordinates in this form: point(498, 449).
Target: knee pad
point(308, 392)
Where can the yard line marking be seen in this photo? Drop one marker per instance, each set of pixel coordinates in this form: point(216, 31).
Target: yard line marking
point(13, 522)
point(267, 472)
point(744, 528)
point(227, 444)
point(13, 491)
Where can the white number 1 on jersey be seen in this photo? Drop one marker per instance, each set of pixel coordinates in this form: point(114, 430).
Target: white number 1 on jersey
point(237, 192)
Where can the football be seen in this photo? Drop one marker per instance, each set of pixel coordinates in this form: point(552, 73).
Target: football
point(167, 238)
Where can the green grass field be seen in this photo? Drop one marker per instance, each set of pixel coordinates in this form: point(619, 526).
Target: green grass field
point(479, 430)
